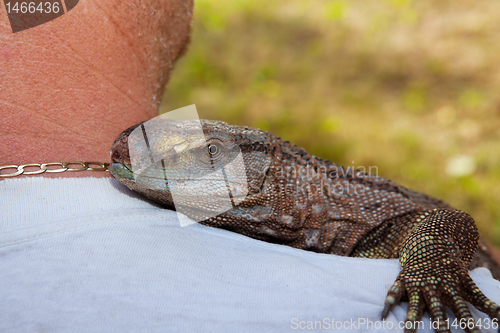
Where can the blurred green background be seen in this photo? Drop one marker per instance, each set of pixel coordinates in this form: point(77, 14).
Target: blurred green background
point(410, 87)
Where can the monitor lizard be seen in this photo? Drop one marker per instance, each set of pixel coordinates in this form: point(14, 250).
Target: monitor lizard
point(300, 200)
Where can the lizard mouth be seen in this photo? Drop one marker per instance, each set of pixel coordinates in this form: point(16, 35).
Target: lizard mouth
point(121, 171)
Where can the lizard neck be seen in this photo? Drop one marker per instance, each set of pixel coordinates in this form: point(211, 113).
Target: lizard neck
point(322, 180)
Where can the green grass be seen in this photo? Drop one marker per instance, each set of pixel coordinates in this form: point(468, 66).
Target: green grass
point(405, 86)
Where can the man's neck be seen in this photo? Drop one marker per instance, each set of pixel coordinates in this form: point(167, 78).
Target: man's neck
point(70, 86)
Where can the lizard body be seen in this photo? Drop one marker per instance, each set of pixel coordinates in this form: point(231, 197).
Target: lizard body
point(299, 200)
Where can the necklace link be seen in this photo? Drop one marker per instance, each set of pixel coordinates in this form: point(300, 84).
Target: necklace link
point(24, 172)
point(102, 166)
point(45, 165)
point(84, 166)
point(11, 167)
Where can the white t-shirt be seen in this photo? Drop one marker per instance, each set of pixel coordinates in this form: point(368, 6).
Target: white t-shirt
point(88, 255)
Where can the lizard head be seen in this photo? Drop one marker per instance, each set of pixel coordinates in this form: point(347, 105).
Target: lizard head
point(202, 165)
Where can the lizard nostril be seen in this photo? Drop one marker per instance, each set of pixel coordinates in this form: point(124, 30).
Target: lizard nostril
point(116, 156)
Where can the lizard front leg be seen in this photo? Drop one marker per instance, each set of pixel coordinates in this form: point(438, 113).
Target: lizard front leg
point(434, 257)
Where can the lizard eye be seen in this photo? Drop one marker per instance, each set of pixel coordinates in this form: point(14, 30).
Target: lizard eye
point(214, 149)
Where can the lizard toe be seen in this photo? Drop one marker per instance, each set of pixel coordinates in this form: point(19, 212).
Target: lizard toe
point(475, 296)
point(459, 307)
point(415, 312)
point(436, 307)
point(393, 297)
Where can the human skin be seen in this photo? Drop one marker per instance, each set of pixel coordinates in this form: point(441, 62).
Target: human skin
point(70, 86)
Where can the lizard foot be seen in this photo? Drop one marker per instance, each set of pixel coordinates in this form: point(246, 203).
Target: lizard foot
point(437, 291)
point(433, 276)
